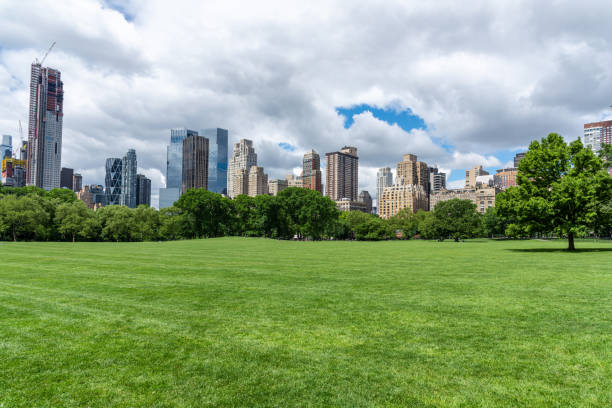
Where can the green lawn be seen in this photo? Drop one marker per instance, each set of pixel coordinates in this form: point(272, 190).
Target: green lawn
point(254, 322)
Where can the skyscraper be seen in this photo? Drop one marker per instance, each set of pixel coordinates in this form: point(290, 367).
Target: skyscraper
point(342, 174)
point(6, 148)
point(311, 171)
point(258, 181)
point(411, 171)
point(471, 175)
point(66, 176)
point(143, 189)
point(384, 178)
point(128, 179)
point(437, 180)
point(217, 159)
point(517, 159)
point(243, 158)
point(195, 163)
point(45, 127)
point(596, 134)
point(174, 167)
point(113, 180)
point(77, 181)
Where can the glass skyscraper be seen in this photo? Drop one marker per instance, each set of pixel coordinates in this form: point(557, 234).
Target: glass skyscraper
point(174, 167)
point(114, 170)
point(6, 148)
point(217, 159)
point(128, 179)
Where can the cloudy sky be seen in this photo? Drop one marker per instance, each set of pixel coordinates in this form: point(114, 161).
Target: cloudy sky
point(457, 83)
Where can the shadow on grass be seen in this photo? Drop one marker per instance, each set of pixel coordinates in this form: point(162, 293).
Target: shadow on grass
point(577, 250)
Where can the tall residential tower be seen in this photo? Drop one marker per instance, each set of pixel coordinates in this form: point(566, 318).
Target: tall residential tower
point(45, 127)
point(341, 174)
point(217, 159)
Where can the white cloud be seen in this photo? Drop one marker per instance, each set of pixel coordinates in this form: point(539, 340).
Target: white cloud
point(485, 76)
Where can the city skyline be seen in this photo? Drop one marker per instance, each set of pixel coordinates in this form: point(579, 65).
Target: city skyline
point(455, 103)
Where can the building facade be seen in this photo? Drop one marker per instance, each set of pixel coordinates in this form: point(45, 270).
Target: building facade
point(195, 163)
point(77, 182)
point(437, 180)
point(217, 159)
point(293, 181)
point(243, 158)
point(342, 174)
point(93, 196)
point(6, 148)
point(471, 175)
point(66, 178)
point(505, 178)
point(276, 186)
point(128, 179)
point(366, 199)
point(13, 172)
point(482, 196)
point(113, 180)
point(311, 171)
point(517, 159)
point(596, 134)
point(384, 179)
point(174, 167)
point(400, 196)
point(143, 189)
point(45, 127)
point(258, 181)
point(411, 171)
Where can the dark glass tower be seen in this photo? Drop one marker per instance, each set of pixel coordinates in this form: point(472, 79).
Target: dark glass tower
point(113, 180)
point(217, 159)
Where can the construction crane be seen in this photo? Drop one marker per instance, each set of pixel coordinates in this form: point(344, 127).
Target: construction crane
point(46, 53)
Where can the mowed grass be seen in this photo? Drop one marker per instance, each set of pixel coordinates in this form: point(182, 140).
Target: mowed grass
point(254, 322)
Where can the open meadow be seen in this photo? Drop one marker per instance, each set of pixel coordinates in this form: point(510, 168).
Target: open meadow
point(256, 322)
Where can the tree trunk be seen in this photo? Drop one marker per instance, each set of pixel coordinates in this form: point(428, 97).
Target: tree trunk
point(14, 235)
point(570, 241)
point(73, 237)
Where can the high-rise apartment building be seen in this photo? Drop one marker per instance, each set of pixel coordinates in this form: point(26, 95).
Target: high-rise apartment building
point(276, 186)
point(6, 148)
point(384, 178)
point(471, 175)
point(45, 127)
point(174, 167)
point(311, 171)
point(258, 181)
point(410, 171)
point(596, 134)
point(482, 195)
point(66, 178)
point(401, 196)
point(143, 190)
point(342, 174)
point(243, 158)
point(195, 163)
point(437, 180)
point(517, 159)
point(77, 182)
point(217, 159)
point(128, 179)
point(113, 180)
point(412, 184)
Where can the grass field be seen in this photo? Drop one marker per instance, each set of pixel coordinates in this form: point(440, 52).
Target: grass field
point(253, 322)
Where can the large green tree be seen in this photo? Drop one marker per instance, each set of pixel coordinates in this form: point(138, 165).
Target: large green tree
point(306, 213)
point(70, 218)
point(562, 188)
point(207, 214)
point(23, 217)
point(456, 219)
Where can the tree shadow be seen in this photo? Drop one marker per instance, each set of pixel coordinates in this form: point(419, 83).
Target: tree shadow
point(565, 250)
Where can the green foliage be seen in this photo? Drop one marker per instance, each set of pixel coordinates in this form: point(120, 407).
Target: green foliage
point(306, 213)
point(63, 194)
point(456, 219)
point(207, 214)
point(561, 188)
point(366, 227)
point(23, 217)
point(70, 218)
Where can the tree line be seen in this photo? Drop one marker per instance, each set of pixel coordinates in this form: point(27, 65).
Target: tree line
point(562, 189)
